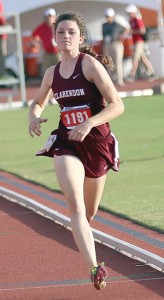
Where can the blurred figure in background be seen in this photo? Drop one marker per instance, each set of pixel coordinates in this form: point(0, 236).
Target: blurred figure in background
point(43, 36)
point(138, 31)
point(113, 35)
point(3, 45)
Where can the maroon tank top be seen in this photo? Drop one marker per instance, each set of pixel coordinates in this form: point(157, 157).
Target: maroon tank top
point(78, 91)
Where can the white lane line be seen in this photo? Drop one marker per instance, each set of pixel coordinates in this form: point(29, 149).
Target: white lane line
point(120, 245)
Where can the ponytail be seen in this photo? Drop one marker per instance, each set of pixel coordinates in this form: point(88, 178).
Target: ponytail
point(104, 59)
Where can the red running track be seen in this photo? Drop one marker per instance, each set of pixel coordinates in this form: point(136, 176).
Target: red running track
point(39, 261)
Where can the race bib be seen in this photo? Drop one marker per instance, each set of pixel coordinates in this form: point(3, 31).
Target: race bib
point(48, 145)
point(75, 115)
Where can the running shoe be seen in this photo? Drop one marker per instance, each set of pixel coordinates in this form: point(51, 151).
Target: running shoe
point(152, 77)
point(130, 79)
point(98, 275)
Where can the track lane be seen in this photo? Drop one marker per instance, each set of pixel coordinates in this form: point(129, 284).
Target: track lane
point(39, 261)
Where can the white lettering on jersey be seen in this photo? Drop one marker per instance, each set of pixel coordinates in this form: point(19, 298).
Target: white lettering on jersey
point(69, 93)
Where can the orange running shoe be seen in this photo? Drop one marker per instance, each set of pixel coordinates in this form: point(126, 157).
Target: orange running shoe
point(98, 275)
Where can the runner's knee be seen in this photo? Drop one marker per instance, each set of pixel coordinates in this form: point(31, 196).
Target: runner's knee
point(75, 207)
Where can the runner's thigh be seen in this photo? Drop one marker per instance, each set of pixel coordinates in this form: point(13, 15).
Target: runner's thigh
point(70, 174)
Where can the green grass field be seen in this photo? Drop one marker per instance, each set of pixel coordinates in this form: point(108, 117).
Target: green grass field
point(136, 192)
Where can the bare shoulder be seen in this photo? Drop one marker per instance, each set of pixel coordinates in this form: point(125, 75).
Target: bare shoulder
point(92, 67)
point(90, 61)
point(48, 76)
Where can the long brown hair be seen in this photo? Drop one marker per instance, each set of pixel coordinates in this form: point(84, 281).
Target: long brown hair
point(73, 16)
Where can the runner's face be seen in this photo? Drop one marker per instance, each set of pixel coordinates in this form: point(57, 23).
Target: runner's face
point(68, 36)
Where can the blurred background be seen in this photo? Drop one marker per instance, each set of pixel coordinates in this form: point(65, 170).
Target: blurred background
point(31, 14)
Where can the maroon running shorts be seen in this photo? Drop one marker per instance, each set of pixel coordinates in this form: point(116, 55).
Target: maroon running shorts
point(97, 153)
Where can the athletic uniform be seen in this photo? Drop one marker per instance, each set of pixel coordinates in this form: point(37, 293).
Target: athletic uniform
point(80, 99)
point(51, 55)
point(138, 40)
